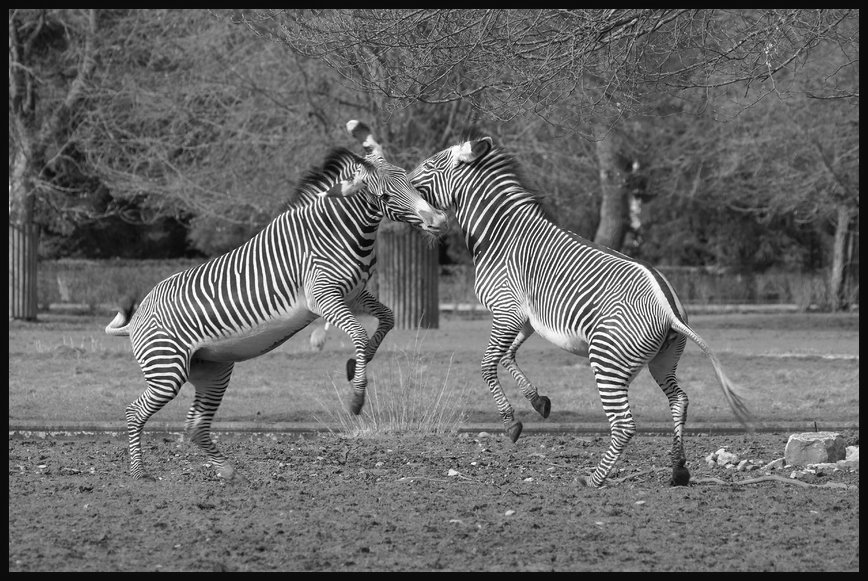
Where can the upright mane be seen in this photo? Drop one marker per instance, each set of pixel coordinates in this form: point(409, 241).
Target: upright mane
point(508, 164)
point(339, 164)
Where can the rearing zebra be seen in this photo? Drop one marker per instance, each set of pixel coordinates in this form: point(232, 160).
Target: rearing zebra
point(310, 261)
point(587, 299)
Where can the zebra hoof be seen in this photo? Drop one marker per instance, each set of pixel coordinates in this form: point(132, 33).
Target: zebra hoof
point(351, 369)
point(357, 403)
point(543, 405)
point(680, 474)
point(514, 430)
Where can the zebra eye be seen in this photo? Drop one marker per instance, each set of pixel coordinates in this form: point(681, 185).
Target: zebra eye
point(385, 198)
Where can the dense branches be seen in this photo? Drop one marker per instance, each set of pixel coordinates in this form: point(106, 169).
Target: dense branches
point(571, 66)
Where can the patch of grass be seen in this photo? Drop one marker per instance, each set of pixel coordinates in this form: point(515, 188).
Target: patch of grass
point(63, 367)
point(407, 398)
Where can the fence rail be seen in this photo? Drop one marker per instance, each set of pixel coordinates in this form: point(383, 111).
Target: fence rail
point(96, 283)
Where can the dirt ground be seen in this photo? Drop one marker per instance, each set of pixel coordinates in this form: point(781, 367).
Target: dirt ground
point(464, 502)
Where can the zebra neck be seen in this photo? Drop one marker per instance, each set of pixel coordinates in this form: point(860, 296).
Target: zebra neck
point(343, 221)
point(495, 222)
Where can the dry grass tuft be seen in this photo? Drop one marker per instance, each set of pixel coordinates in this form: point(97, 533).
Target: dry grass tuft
point(407, 398)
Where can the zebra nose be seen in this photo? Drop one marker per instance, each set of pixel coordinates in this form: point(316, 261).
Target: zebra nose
point(434, 221)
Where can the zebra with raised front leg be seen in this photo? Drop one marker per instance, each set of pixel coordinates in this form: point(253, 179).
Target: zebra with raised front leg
point(310, 261)
point(534, 276)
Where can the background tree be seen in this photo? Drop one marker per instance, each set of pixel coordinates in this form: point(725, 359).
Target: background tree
point(743, 124)
point(598, 74)
point(44, 95)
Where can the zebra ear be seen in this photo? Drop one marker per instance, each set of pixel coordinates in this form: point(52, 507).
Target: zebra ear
point(363, 134)
point(470, 151)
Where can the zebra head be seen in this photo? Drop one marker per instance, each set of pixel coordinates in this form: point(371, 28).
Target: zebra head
point(388, 185)
point(438, 178)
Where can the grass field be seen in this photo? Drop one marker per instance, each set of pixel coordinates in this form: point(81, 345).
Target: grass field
point(793, 367)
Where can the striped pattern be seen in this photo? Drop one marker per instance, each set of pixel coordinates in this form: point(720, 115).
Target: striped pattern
point(587, 299)
point(312, 260)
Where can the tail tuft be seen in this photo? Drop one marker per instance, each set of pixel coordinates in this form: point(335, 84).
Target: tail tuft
point(731, 392)
point(120, 324)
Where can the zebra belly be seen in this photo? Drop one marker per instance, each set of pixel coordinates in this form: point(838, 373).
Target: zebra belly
point(568, 341)
point(260, 339)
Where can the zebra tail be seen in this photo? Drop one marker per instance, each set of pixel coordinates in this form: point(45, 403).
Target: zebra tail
point(120, 325)
point(730, 390)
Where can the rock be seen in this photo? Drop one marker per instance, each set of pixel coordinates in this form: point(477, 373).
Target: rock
point(851, 459)
point(774, 465)
point(824, 468)
point(814, 448)
point(742, 466)
point(724, 458)
point(851, 465)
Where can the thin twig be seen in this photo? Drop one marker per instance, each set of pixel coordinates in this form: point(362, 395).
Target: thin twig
point(771, 478)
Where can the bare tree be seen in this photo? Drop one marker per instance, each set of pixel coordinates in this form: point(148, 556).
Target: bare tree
point(598, 63)
point(585, 70)
point(44, 96)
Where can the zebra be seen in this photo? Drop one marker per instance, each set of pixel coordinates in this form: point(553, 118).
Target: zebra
point(534, 276)
point(312, 260)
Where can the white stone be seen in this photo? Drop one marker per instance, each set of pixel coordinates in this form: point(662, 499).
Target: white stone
point(724, 458)
point(774, 465)
point(824, 468)
point(848, 464)
point(814, 448)
point(741, 466)
point(852, 453)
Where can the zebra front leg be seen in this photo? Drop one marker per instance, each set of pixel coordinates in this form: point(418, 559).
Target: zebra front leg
point(662, 368)
point(210, 378)
point(385, 323)
point(503, 330)
point(158, 393)
point(336, 312)
point(541, 404)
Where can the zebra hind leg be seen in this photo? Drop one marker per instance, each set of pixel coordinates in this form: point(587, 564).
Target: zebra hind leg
point(662, 368)
point(137, 414)
point(612, 385)
point(210, 380)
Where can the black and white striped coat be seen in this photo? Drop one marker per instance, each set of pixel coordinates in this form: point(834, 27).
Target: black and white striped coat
point(535, 276)
point(312, 260)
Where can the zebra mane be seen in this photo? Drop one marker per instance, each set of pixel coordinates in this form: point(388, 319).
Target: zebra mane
point(339, 164)
point(507, 163)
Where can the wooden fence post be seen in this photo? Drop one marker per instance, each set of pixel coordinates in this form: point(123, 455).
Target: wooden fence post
point(23, 251)
point(408, 272)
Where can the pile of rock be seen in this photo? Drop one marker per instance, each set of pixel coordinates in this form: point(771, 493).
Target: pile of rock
point(814, 453)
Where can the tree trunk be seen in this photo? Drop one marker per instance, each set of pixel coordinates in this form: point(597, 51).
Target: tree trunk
point(614, 209)
point(837, 282)
point(407, 266)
